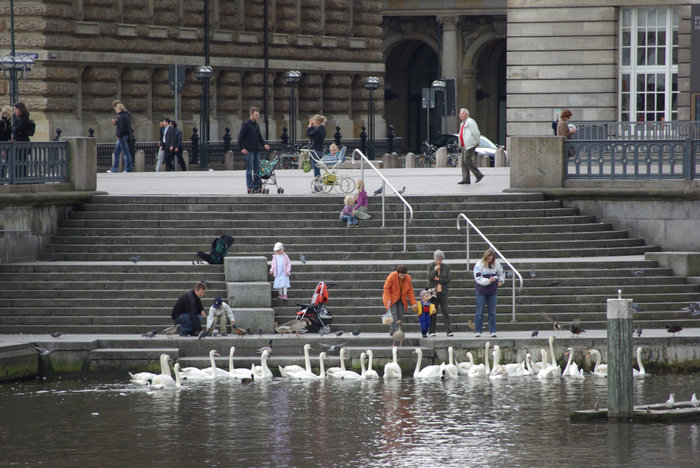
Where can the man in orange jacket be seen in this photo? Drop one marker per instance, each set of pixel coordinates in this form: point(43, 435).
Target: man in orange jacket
point(397, 290)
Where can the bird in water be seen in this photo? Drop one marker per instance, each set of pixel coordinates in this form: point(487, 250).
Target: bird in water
point(534, 333)
point(673, 329)
point(399, 335)
point(46, 352)
point(56, 334)
point(671, 401)
point(135, 259)
point(378, 191)
point(575, 331)
point(356, 332)
point(638, 330)
point(302, 258)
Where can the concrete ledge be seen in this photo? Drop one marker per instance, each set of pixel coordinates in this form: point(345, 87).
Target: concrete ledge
point(254, 294)
point(129, 359)
point(536, 162)
point(18, 362)
point(255, 319)
point(245, 269)
point(682, 263)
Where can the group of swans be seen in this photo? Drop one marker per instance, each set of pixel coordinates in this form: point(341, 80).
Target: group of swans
point(295, 372)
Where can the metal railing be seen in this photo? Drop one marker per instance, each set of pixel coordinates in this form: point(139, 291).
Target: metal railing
point(632, 159)
point(493, 247)
point(385, 182)
point(34, 162)
point(673, 130)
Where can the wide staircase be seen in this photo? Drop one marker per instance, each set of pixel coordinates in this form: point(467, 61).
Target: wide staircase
point(85, 283)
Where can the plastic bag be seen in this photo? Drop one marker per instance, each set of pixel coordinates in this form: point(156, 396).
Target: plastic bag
point(306, 166)
point(387, 319)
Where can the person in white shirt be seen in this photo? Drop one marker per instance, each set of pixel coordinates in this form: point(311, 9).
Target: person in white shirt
point(220, 310)
point(468, 140)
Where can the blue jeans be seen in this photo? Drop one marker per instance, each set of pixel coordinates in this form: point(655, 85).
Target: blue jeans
point(489, 301)
point(122, 147)
point(189, 324)
point(252, 167)
point(317, 171)
point(349, 219)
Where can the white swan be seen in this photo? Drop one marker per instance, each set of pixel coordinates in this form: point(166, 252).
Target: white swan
point(308, 375)
point(641, 372)
point(288, 371)
point(428, 372)
point(450, 369)
point(142, 378)
point(262, 371)
point(464, 366)
point(498, 371)
point(213, 370)
point(370, 373)
point(571, 370)
point(481, 370)
point(195, 373)
point(538, 366)
point(599, 370)
point(240, 373)
point(551, 370)
point(528, 365)
point(392, 370)
point(342, 373)
point(333, 370)
point(161, 381)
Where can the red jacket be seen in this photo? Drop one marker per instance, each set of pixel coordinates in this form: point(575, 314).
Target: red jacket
point(395, 290)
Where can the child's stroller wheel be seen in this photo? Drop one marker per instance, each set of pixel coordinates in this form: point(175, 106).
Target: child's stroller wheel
point(326, 329)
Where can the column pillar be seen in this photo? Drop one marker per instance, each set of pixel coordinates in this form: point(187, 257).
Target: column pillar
point(450, 62)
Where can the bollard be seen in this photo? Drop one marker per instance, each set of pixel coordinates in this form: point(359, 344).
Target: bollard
point(386, 161)
point(394, 160)
point(139, 161)
point(186, 158)
point(228, 160)
point(500, 159)
point(620, 403)
point(441, 157)
point(410, 161)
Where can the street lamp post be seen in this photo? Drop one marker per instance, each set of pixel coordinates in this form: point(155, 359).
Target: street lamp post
point(292, 78)
point(371, 83)
point(439, 87)
point(203, 73)
point(14, 67)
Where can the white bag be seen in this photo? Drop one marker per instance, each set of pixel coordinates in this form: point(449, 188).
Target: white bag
point(387, 319)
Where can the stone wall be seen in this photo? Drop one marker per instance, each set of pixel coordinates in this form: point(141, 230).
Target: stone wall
point(92, 52)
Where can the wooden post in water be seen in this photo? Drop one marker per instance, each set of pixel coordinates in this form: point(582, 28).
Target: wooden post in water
point(620, 404)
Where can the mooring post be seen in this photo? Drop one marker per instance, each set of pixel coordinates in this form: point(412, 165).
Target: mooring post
point(620, 358)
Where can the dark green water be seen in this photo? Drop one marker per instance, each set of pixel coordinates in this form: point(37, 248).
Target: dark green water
point(107, 422)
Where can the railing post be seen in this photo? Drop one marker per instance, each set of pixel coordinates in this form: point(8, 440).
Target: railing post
point(227, 139)
point(58, 135)
point(194, 159)
point(513, 297)
point(390, 136)
point(285, 136)
point(404, 229)
point(91, 132)
point(337, 136)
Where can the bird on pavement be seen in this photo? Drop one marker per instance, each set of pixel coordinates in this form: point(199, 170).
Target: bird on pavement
point(694, 401)
point(636, 307)
point(135, 258)
point(293, 326)
point(356, 332)
point(556, 327)
point(670, 403)
point(673, 329)
point(378, 191)
point(575, 331)
point(260, 331)
point(401, 192)
point(398, 336)
point(302, 258)
point(267, 348)
point(693, 309)
point(339, 333)
point(170, 331)
point(533, 274)
point(535, 332)
point(204, 282)
point(638, 330)
point(150, 334)
point(638, 272)
point(471, 325)
point(41, 351)
point(554, 283)
point(56, 334)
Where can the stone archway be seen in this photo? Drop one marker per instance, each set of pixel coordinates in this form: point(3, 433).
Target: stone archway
point(411, 65)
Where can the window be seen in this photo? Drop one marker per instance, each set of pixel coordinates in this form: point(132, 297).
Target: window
point(648, 81)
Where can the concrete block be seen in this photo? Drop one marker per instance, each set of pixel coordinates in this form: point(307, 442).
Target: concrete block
point(257, 294)
point(255, 319)
point(682, 263)
point(17, 362)
point(441, 157)
point(410, 160)
point(536, 162)
point(500, 159)
point(228, 160)
point(139, 161)
point(245, 269)
point(386, 160)
point(82, 162)
point(481, 160)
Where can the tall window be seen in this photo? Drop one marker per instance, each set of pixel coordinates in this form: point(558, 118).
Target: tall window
point(648, 64)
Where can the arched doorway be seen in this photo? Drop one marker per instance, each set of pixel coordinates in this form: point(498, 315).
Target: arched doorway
point(411, 65)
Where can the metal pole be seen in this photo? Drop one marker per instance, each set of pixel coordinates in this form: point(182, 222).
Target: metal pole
point(513, 297)
point(427, 118)
point(620, 361)
point(370, 124)
point(176, 92)
point(266, 68)
point(204, 125)
point(404, 228)
point(13, 70)
point(383, 205)
point(444, 109)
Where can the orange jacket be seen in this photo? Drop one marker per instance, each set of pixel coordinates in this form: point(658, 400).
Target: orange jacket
point(393, 291)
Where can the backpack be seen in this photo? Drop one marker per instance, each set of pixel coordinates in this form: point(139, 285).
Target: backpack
point(5, 130)
point(219, 249)
point(31, 128)
point(555, 124)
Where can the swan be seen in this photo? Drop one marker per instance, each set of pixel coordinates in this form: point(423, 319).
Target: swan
point(142, 378)
point(450, 369)
point(513, 369)
point(341, 373)
point(599, 370)
point(528, 365)
point(551, 370)
point(262, 371)
point(370, 373)
point(288, 371)
point(308, 375)
point(481, 370)
point(571, 370)
point(195, 373)
point(641, 372)
point(213, 371)
point(334, 370)
point(538, 366)
point(161, 381)
point(498, 371)
point(392, 370)
point(428, 372)
point(232, 373)
point(463, 367)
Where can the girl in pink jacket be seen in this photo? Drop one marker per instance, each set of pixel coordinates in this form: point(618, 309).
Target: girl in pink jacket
point(280, 268)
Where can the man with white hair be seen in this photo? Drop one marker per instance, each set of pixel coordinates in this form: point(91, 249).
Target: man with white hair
point(468, 140)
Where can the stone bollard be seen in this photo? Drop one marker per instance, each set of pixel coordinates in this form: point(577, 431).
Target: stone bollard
point(500, 158)
point(441, 157)
point(620, 361)
point(394, 160)
point(186, 157)
point(482, 161)
point(228, 160)
point(386, 161)
point(410, 160)
point(139, 161)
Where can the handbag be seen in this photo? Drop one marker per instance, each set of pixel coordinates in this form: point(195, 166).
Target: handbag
point(306, 166)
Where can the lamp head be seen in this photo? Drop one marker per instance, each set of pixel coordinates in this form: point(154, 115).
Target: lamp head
point(438, 85)
point(292, 77)
point(203, 72)
point(371, 83)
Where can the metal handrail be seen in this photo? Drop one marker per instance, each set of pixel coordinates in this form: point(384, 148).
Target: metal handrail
point(493, 247)
point(385, 182)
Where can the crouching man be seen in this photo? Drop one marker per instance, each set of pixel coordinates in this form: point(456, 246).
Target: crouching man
point(219, 311)
point(188, 311)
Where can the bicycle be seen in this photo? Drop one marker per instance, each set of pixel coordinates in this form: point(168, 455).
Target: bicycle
point(427, 158)
point(453, 154)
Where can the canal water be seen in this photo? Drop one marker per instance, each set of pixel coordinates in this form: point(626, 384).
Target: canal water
point(105, 421)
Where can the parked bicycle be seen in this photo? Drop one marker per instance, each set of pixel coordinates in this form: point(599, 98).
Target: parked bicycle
point(427, 157)
point(453, 153)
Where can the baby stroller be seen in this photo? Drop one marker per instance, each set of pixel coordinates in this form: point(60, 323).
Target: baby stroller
point(266, 176)
point(315, 314)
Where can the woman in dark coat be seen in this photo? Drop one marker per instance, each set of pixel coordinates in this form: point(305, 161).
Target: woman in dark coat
point(20, 129)
point(317, 133)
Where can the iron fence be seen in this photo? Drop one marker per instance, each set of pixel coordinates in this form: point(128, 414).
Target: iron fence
point(34, 163)
point(632, 159)
point(676, 130)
